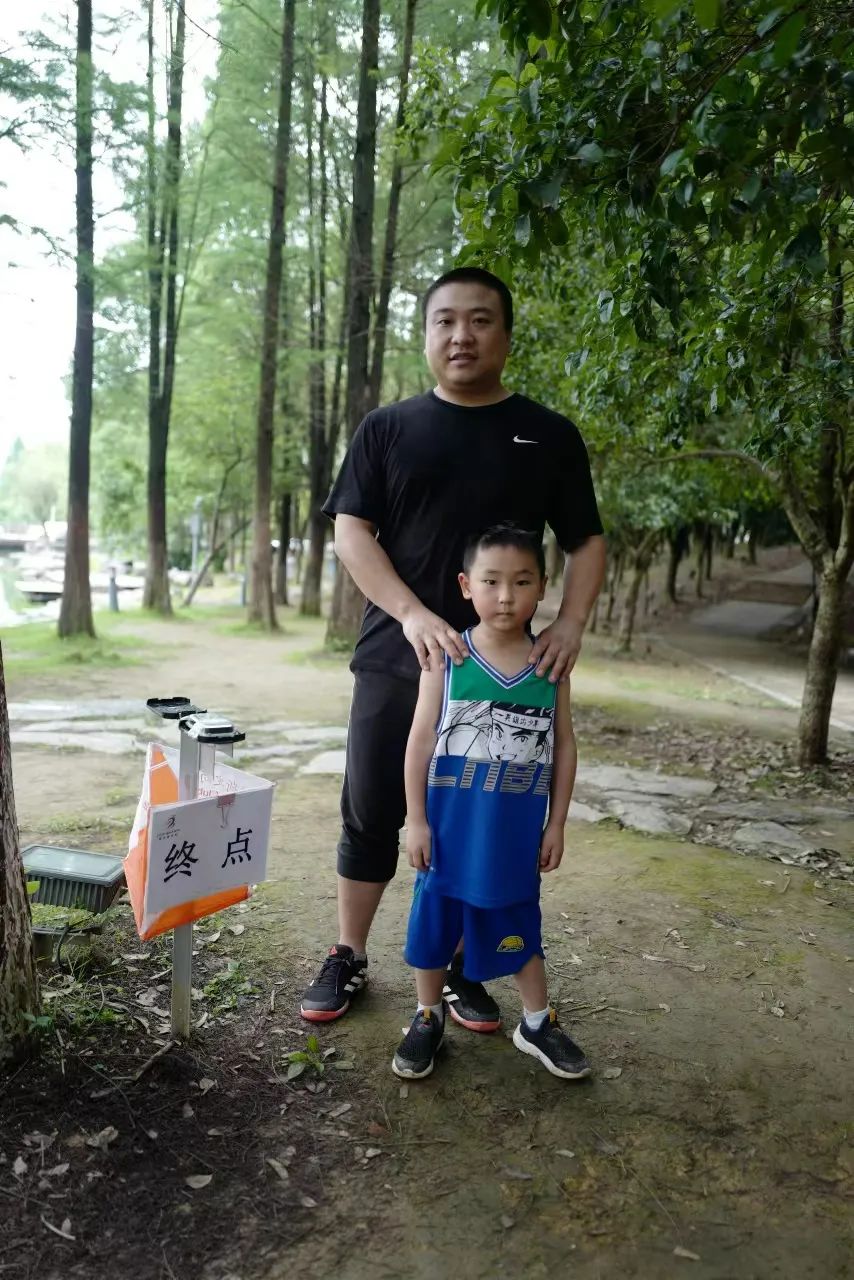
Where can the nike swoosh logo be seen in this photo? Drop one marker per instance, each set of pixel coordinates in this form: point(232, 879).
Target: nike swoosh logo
point(519, 440)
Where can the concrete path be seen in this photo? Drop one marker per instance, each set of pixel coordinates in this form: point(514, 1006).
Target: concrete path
point(732, 638)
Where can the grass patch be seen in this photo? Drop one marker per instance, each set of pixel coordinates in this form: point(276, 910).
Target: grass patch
point(36, 649)
point(74, 824)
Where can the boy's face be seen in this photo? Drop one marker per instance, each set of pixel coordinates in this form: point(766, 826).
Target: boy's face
point(505, 587)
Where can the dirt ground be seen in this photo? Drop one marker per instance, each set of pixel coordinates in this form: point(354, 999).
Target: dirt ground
point(712, 992)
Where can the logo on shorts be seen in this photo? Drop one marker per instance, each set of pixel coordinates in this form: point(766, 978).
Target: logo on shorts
point(512, 943)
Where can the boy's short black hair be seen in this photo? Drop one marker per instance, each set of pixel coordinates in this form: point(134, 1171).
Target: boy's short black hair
point(473, 275)
point(505, 535)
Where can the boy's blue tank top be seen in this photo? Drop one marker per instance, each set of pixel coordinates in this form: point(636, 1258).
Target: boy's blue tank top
point(488, 785)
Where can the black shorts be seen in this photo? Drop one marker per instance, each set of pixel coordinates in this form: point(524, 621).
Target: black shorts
point(373, 798)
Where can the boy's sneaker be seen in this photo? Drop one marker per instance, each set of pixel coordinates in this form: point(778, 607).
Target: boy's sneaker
point(557, 1051)
point(469, 1003)
point(341, 977)
point(418, 1048)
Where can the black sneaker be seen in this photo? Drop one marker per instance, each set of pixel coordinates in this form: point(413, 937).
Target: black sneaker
point(417, 1050)
point(469, 1003)
point(558, 1053)
point(341, 978)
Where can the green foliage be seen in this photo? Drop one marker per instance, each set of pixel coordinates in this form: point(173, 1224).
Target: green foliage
point(698, 162)
point(34, 484)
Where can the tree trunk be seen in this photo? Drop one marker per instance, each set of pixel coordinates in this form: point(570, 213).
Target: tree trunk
point(640, 564)
point(261, 606)
point(19, 989)
point(699, 557)
point(616, 572)
point(348, 603)
point(555, 561)
point(395, 188)
point(163, 256)
point(822, 663)
point(320, 461)
point(75, 616)
point(677, 547)
point(709, 548)
point(285, 507)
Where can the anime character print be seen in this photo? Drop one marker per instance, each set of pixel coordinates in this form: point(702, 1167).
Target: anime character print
point(492, 730)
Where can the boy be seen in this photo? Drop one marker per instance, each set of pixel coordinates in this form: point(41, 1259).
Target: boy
point(491, 750)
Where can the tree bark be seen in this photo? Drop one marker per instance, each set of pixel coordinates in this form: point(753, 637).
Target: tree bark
point(19, 988)
point(348, 602)
point(319, 462)
point(395, 188)
point(677, 545)
point(261, 605)
point(822, 664)
point(614, 576)
point(75, 616)
point(640, 564)
point(163, 258)
point(555, 560)
point(285, 508)
point(699, 557)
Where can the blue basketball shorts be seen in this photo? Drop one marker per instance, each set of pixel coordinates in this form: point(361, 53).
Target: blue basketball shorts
point(498, 941)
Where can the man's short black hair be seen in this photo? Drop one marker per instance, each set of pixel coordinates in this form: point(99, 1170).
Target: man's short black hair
point(505, 535)
point(473, 275)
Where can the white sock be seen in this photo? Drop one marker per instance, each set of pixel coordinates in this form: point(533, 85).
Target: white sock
point(437, 1010)
point(534, 1018)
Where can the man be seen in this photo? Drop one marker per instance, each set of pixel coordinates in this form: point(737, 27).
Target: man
point(420, 477)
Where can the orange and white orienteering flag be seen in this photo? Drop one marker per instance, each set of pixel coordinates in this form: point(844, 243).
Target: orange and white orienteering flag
point(189, 859)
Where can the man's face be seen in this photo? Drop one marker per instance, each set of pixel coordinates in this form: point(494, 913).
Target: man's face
point(466, 343)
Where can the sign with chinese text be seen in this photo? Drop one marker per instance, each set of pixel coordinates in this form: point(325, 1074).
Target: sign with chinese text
point(188, 859)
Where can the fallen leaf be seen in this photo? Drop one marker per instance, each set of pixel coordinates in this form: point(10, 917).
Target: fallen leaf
point(518, 1175)
point(295, 1069)
point(506, 1222)
point(57, 1171)
point(340, 1110)
point(205, 1085)
point(59, 1231)
point(102, 1140)
point(344, 1066)
point(148, 998)
point(187, 1111)
point(211, 937)
point(372, 1152)
point(328, 1053)
point(574, 959)
point(236, 929)
point(134, 956)
point(19, 1168)
point(664, 1007)
point(404, 1088)
point(307, 1202)
point(40, 1140)
point(215, 1133)
point(679, 1252)
point(198, 1180)
point(278, 1168)
point(612, 1073)
point(562, 1151)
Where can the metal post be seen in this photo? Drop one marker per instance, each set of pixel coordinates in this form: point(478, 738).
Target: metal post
point(201, 737)
point(113, 590)
point(182, 937)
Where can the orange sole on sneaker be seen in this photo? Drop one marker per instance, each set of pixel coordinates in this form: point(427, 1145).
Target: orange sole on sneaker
point(473, 1026)
point(322, 1015)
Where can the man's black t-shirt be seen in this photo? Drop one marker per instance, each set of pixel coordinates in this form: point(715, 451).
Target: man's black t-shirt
point(429, 474)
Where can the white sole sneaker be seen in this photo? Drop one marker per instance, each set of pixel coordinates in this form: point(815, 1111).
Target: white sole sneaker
point(525, 1046)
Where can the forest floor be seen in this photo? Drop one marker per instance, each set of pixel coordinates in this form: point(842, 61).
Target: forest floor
point(713, 993)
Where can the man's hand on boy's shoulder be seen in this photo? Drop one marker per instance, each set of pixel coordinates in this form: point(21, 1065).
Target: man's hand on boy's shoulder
point(431, 638)
point(551, 848)
point(556, 649)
